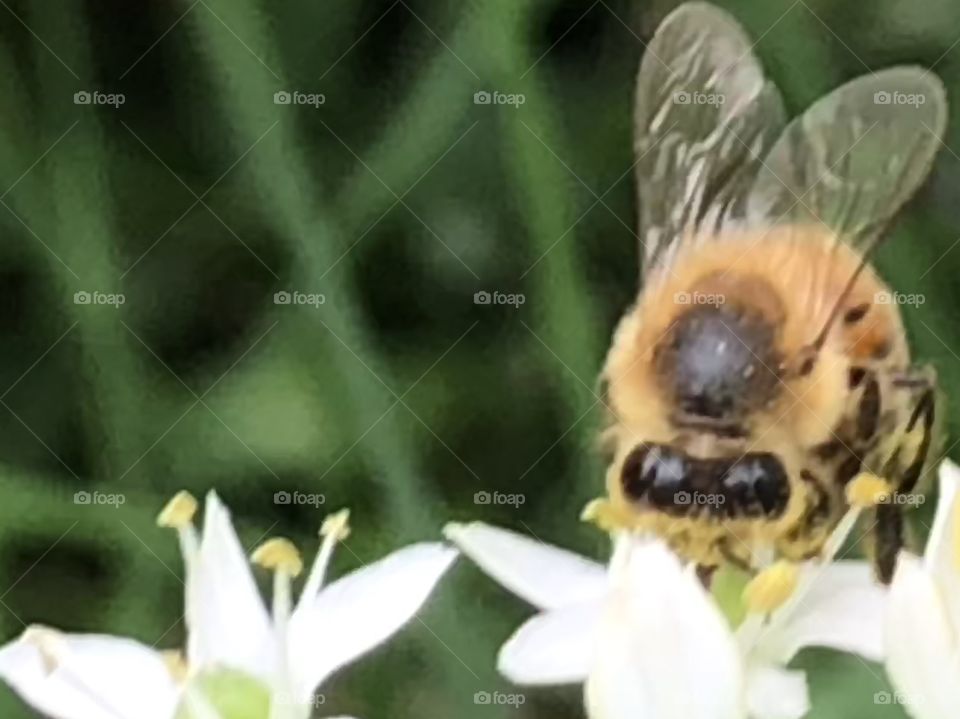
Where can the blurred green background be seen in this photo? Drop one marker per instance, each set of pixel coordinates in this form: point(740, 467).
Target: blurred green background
point(397, 199)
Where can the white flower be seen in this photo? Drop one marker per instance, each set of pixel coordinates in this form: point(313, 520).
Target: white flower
point(240, 661)
point(923, 616)
point(650, 642)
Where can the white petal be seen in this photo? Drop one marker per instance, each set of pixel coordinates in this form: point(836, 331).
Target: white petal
point(99, 677)
point(941, 545)
point(942, 558)
point(774, 693)
point(842, 609)
point(665, 651)
point(555, 647)
point(546, 576)
point(227, 621)
point(922, 649)
point(358, 612)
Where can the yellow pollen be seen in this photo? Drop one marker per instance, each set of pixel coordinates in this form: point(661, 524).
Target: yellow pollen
point(280, 555)
point(179, 511)
point(176, 664)
point(50, 644)
point(868, 490)
point(336, 525)
point(768, 591)
point(607, 517)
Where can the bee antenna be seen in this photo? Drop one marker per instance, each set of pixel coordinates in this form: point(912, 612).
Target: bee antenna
point(838, 305)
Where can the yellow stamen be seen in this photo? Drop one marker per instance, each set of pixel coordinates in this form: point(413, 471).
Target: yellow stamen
point(868, 490)
point(768, 591)
point(179, 511)
point(278, 554)
point(50, 644)
point(176, 664)
point(336, 525)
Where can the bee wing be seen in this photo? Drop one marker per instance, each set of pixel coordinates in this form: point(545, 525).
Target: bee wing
point(855, 156)
point(705, 115)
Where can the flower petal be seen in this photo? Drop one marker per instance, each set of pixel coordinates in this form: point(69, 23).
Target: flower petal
point(665, 651)
point(555, 647)
point(546, 576)
point(92, 677)
point(941, 544)
point(841, 608)
point(358, 612)
point(227, 621)
point(774, 693)
point(942, 557)
point(922, 652)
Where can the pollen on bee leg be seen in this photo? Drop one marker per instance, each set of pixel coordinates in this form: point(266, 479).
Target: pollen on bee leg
point(868, 490)
point(606, 516)
point(773, 586)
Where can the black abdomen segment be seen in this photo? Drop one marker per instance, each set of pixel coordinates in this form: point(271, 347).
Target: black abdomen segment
point(661, 477)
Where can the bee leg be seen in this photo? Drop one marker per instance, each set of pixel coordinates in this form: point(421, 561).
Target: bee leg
point(608, 516)
point(904, 467)
point(705, 574)
point(723, 546)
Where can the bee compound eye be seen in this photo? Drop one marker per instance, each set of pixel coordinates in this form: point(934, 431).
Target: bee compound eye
point(656, 475)
point(633, 477)
point(757, 485)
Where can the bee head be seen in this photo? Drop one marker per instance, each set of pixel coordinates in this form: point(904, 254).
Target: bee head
point(718, 363)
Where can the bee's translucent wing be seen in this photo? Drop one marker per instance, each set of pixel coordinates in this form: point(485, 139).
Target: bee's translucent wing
point(704, 117)
point(855, 156)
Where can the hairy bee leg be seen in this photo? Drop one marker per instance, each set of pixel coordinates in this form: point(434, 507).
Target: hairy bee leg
point(905, 469)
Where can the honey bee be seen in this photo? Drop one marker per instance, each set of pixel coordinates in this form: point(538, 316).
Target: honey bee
point(764, 364)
